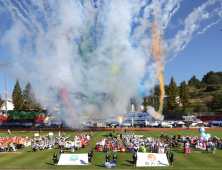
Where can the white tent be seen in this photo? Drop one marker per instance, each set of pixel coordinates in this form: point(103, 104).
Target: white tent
point(181, 123)
point(10, 106)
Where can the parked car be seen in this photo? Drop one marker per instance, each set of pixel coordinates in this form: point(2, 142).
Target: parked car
point(200, 125)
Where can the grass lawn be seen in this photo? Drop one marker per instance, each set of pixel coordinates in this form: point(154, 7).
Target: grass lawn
point(43, 159)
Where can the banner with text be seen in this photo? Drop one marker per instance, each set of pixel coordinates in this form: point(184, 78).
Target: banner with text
point(110, 164)
point(152, 159)
point(73, 159)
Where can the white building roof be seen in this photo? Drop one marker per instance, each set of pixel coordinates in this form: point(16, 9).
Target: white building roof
point(10, 106)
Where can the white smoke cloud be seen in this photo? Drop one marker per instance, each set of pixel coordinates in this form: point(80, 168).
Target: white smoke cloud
point(88, 46)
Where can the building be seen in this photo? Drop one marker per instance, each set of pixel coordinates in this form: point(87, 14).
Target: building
point(10, 107)
point(210, 117)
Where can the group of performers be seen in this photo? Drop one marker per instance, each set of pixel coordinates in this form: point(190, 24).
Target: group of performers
point(12, 143)
point(110, 143)
point(43, 142)
point(132, 141)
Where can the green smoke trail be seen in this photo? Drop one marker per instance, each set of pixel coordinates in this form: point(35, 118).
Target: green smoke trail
point(85, 48)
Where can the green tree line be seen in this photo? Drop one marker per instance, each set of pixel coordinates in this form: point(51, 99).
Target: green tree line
point(24, 100)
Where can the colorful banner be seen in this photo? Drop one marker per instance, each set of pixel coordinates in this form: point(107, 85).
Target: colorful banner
point(73, 159)
point(78, 144)
point(152, 159)
point(110, 164)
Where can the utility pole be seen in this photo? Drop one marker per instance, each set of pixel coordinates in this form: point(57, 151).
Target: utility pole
point(4, 64)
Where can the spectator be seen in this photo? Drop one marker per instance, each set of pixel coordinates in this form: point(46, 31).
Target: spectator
point(90, 157)
point(107, 157)
point(134, 159)
point(171, 158)
point(55, 158)
point(115, 158)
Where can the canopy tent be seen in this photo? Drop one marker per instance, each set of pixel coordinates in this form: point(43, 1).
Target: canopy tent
point(130, 114)
point(135, 123)
point(26, 124)
point(216, 122)
point(125, 124)
point(135, 118)
point(180, 123)
point(4, 124)
point(153, 124)
point(142, 114)
point(63, 123)
point(40, 123)
point(110, 123)
point(144, 117)
point(89, 123)
point(23, 115)
point(139, 123)
point(55, 123)
point(14, 124)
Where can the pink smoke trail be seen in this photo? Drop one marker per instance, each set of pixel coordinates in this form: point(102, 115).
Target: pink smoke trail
point(72, 113)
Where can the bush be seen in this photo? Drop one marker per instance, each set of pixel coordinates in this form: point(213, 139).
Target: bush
point(212, 88)
point(200, 108)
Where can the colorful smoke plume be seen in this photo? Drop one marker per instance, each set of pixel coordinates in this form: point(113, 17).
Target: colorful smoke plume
point(72, 113)
point(158, 56)
point(98, 49)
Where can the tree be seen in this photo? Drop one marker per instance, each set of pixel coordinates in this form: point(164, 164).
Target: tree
point(184, 95)
point(172, 93)
point(214, 79)
point(193, 81)
point(28, 98)
point(17, 97)
point(1, 101)
point(216, 102)
point(151, 101)
point(200, 108)
point(157, 90)
point(193, 94)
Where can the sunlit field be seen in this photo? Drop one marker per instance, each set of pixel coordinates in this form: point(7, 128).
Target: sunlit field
point(43, 159)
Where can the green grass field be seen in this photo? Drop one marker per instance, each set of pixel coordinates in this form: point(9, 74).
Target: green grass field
point(43, 159)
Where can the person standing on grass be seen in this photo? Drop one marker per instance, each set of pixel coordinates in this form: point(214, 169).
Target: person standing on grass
point(166, 153)
point(171, 158)
point(61, 152)
point(115, 158)
point(89, 157)
point(125, 129)
point(134, 159)
point(91, 153)
point(107, 157)
point(55, 158)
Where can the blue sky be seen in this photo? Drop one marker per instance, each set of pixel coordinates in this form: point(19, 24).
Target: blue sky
point(202, 54)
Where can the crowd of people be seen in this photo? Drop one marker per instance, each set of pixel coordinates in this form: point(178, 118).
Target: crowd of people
point(13, 143)
point(110, 143)
point(135, 142)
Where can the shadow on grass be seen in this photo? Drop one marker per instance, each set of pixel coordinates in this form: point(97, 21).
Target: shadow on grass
point(131, 162)
point(29, 151)
point(100, 165)
point(126, 165)
point(49, 163)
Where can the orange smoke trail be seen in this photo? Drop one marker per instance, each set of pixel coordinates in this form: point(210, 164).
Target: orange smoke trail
point(157, 53)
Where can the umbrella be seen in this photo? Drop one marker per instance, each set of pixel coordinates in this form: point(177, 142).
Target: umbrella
point(125, 124)
point(26, 124)
point(14, 124)
point(40, 123)
point(142, 114)
point(4, 124)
